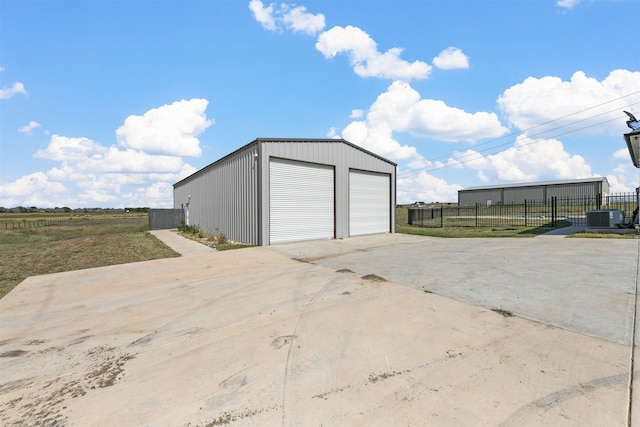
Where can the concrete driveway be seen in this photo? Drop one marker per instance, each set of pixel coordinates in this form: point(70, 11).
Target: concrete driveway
point(253, 337)
point(583, 285)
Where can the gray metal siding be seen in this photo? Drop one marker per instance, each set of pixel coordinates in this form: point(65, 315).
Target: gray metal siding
point(337, 153)
point(224, 196)
point(231, 196)
point(588, 189)
point(519, 195)
point(542, 192)
point(470, 198)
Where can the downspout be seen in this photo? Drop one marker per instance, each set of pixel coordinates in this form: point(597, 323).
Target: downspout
point(259, 184)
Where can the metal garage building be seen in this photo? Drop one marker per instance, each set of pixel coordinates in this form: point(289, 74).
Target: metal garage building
point(537, 191)
point(284, 190)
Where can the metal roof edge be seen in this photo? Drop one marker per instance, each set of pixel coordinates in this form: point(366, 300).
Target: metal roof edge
point(344, 141)
point(220, 160)
point(258, 141)
point(534, 184)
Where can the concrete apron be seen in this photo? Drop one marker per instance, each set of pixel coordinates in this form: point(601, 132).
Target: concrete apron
point(584, 285)
point(252, 337)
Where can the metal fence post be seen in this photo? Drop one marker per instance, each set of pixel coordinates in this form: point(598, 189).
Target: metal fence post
point(476, 214)
point(441, 217)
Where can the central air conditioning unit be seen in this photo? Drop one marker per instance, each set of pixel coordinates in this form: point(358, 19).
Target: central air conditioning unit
point(605, 218)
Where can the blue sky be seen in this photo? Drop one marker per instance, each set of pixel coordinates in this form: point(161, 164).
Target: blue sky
point(109, 103)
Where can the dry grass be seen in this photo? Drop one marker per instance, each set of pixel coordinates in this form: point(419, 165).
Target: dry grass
point(219, 241)
point(373, 278)
point(585, 235)
point(84, 241)
point(469, 232)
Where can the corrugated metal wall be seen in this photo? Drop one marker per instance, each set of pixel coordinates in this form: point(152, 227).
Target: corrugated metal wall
point(470, 198)
point(329, 152)
point(224, 196)
point(542, 192)
point(519, 195)
point(232, 194)
point(575, 191)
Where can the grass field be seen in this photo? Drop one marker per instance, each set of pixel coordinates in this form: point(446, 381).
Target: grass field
point(402, 226)
point(80, 241)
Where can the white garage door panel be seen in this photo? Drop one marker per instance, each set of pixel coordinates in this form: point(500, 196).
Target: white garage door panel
point(301, 201)
point(369, 203)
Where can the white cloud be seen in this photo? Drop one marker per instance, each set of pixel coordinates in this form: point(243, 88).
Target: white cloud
point(624, 177)
point(401, 109)
point(567, 4)
point(427, 188)
point(621, 179)
point(99, 197)
point(365, 58)
point(264, 15)
point(158, 190)
point(451, 58)
point(356, 114)
point(298, 19)
point(537, 101)
point(27, 129)
point(277, 17)
point(8, 92)
point(362, 50)
point(32, 190)
point(132, 161)
point(171, 129)
point(333, 133)
point(134, 172)
point(377, 138)
point(621, 154)
point(528, 160)
point(172, 177)
point(62, 148)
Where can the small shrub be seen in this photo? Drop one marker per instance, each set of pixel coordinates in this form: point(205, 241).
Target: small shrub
point(188, 229)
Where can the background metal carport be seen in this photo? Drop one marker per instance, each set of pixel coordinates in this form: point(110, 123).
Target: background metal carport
point(282, 190)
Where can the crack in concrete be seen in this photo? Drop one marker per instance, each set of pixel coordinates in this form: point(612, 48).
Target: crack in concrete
point(633, 341)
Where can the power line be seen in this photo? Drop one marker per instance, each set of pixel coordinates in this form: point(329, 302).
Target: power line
point(477, 153)
point(556, 128)
point(479, 156)
point(555, 120)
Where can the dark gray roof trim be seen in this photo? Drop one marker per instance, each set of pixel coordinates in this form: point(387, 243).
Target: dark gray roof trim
point(261, 140)
point(537, 184)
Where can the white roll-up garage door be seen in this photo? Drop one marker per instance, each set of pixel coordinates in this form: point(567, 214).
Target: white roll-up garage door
point(369, 203)
point(301, 201)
